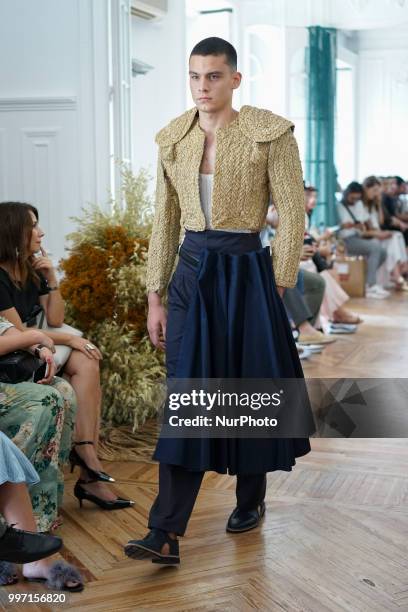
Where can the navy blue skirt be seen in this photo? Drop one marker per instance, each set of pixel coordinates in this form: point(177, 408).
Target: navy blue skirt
point(226, 319)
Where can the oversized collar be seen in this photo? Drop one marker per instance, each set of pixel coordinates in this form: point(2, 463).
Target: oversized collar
point(259, 124)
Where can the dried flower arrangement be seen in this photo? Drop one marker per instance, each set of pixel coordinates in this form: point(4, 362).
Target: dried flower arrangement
point(103, 287)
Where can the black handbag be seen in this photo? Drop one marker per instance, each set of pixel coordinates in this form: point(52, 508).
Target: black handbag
point(318, 259)
point(320, 262)
point(20, 366)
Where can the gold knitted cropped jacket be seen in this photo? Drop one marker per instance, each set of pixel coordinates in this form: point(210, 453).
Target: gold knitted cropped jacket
point(257, 158)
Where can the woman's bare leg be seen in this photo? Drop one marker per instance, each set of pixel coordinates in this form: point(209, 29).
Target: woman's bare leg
point(15, 506)
point(84, 377)
point(344, 315)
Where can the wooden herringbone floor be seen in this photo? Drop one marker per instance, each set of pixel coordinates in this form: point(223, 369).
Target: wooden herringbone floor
point(335, 535)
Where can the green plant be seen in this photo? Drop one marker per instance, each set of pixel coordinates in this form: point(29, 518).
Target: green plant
point(104, 290)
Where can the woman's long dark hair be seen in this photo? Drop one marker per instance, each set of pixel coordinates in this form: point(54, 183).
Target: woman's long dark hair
point(371, 181)
point(16, 227)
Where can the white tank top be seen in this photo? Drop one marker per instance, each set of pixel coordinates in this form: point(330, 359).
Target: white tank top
point(206, 188)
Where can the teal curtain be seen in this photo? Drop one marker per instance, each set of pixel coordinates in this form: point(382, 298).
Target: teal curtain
point(320, 121)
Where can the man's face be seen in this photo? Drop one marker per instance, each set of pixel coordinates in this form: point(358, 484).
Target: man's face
point(353, 197)
point(401, 188)
point(392, 187)
point(212, 82)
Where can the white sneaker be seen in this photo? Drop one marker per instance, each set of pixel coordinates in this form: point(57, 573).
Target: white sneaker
point(314, 348)
point(382, 291)
point(303, 352)
point(310, 349)
point(342, 328)
point(376, 292)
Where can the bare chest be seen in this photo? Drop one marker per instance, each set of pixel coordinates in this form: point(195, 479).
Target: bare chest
point(207, 165)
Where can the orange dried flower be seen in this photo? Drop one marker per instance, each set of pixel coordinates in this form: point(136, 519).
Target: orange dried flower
point(87, 286)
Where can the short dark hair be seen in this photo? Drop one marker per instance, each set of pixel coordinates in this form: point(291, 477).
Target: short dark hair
point(399, 180)
point(310, 188)
point(353, 187)
point(216, 46)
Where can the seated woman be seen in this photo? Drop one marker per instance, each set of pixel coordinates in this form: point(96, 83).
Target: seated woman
point(396, 263)
point(333, 305)
point(303, 303)
point(39, 418)
point(358, 238)
point(322, 291)
point(20, 543)
point(27, 281)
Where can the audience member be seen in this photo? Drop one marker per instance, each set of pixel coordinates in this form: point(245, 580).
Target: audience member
point(39, 418)
point(357, 238)
point(19, 540)
point(393, 220)
point(28, 280)
point(393, 241)
point(333, 305)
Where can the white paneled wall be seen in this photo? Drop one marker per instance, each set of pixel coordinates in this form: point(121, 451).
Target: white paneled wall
point(383, 102)
point(54, 97)
point(37, 152)
point(159, 95)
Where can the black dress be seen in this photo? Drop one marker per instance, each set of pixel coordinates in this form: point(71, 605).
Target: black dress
point(24, 299)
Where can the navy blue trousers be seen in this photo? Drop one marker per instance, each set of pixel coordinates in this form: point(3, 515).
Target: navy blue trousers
point(225, 319)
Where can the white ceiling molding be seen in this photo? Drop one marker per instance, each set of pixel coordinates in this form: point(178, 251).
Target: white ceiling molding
point(43, 103)
point(341, 14)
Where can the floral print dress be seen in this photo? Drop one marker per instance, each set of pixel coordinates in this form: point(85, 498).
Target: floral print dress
point(39, 419)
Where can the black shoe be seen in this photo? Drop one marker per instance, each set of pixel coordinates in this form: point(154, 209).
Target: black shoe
point(75, 459)
point(19, 546)
point(151, 545)
point(81, 494)
point(244, 520)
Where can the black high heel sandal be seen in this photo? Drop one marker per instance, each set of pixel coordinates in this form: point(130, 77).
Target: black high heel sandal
point(75, 459)
point(150, 548)
point(81, 494)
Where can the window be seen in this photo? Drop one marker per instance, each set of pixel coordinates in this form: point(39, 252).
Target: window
point(345, 129)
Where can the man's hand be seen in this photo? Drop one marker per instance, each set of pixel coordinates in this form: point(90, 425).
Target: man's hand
point(157, 321)
point(350, 224)
point(383, 234)
point(324, 250)
point(281, 290)
point(308, 250)
point(326, 235)
point(395, 222)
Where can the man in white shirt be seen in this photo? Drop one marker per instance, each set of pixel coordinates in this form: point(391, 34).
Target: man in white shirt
point(353, 217)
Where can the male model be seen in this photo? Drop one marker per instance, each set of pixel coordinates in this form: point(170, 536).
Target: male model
point(217, 170)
